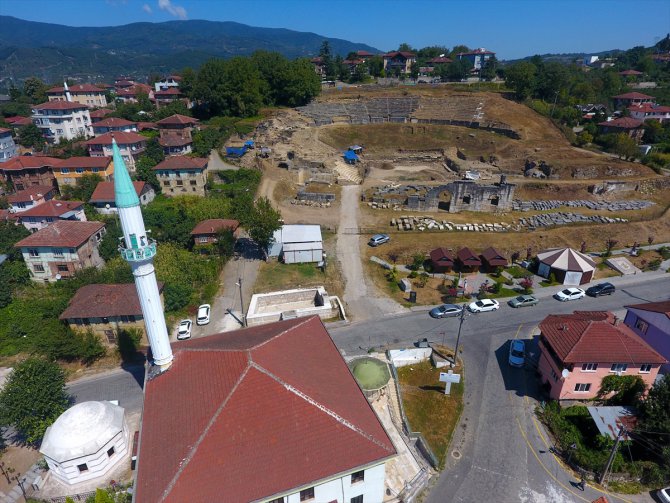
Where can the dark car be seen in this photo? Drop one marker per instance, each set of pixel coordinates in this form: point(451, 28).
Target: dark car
point(601, 289)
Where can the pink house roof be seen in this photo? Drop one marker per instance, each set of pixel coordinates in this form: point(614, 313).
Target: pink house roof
point(467, 257)
point(649, 108)
point(65, 233)
point(28, 162)
point(395, 54)
point(31, 193)
point(60, 105)
point(177, 119)
point(104, 191)
point(114, 122)
point(52, 208)
point(277, 399)
point(633, 96)
point(626, 73)
point(214, 225)
point(442, 256)
point(77, 88)
point(623, 123)
point(121, 137)
point(182, 162)
point(83, 162)
point(593, 336)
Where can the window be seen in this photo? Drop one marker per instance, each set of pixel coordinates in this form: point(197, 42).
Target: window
point(38, 268)
point(357, 499)
point(582, 387)
point(110, 452)
point(619, 367)
point(589, 367)
point(59, 131)
point(642, 325)
point(82, 468)
point(180, 183)
point(358, 477)
point(194, 182)
point(64, 171)
point(166, 183)
point(202, 239)
point(645, 368)
point(277, 500)
point(79, 170)
point(96, 170)
point(62, 268)
point(554, 376)
point(307, 494)
point(58, 252)
point(33, 252)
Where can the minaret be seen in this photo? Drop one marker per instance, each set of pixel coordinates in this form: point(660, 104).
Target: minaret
point(139, 251)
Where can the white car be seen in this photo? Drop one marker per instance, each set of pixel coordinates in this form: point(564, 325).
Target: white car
point(184, 331)
point(517, 353)
point(481, 306)
point(570, 294)
point(664, 495)
point(203, 314)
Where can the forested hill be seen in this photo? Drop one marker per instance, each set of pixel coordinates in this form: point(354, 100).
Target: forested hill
point(52, 51)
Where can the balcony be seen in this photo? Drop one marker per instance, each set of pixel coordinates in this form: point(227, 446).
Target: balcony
point(140, 253)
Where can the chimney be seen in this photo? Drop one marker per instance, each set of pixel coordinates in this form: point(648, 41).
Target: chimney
point(617, 321)
point(68, 96)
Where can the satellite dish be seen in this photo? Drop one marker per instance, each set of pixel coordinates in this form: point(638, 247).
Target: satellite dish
point(565, 373)
point(58, 276)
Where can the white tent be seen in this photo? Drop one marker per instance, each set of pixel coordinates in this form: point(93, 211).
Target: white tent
point(570, 266)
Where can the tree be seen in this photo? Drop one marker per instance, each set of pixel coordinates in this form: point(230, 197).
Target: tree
point(300, 84)
point(207, 139)
point(489, 68)
point(327, 61)
point(225, 243)
point(414, 71)
point(624, 146)
point(35, 89)
point(172, 108)
point(263, 222)
point(33, 397)
point(654, 413)
point(405, 47)
point(83, 188)
point(144, 172)
point(521, 77)
point(31, 136)
point(457, 70)
point(188, 77)
point(621, 390)
point(375, 66)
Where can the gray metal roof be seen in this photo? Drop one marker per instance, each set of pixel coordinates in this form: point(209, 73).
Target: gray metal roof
point(609, 419)
point(300, 233)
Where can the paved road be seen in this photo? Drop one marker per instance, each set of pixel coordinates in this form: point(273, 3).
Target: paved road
point(124, 385)
point(499, 442)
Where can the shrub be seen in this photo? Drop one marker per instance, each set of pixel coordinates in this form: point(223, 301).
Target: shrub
point(664, 252)
point(413, 274)
point(177, 295)
point(91, 349)
point(423, 279)
point(128, 343)
point(653, 265)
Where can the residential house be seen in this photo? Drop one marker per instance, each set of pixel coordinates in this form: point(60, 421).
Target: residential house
point(106, 310)
point(61, 249)
point(171, 81)
point(297, 244)
point(623, 101)
point(441, 260)
point(283, 391)
point(147, 126)
point(648, 111)
point(205, 232)
point(627, 125)
point(630, 73)
point(477, 58)
point(25, 171)
point(180, 175)
point(17, 122)
point(103, 199)
point(578, 350)
point(123, 82)
point(131, 93)
point(113, 124)
point(34, 195)
point(176, 134)
point(8, 148)
point(492, 259)
point(398, 62)
point(131, 145)
point(49, 212)
point(352, 64)
point(62, 120)
point(319, 67)
point(467, 260)
point(651, 321)
point(167, 96)
point(98, 115)
point(68, 171)
point(84, 94)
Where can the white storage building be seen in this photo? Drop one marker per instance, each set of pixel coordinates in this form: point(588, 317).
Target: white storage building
point(298, 244)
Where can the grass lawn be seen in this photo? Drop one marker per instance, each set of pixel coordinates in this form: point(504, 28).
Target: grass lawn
point(428, 409)
point(275, 275)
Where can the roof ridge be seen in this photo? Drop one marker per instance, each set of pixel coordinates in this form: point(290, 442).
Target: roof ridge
point(204, 433)
point(263, 343)
point(320, 406)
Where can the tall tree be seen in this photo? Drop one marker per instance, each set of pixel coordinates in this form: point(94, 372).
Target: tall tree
point(188, 77)
point(231, 87)
point(35, 90)
point(375, 66)
point(263, 221)
point(31, 136)
point(33, 397)
point(522, 78)
point(83, 188)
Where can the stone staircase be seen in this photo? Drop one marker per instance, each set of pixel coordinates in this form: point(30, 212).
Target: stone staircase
point(347, 174)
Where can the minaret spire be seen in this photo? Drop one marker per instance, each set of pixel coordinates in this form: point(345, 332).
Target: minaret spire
point(139, 250)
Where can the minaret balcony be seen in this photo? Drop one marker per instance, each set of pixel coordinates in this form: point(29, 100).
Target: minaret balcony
point(140, 253)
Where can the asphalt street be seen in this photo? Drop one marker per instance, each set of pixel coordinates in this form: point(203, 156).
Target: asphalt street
point(499, 451)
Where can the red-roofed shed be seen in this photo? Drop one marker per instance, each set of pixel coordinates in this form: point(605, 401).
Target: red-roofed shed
point(442, 260)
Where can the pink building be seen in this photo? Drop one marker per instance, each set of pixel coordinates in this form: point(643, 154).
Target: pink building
point(45, 214)
point(578, 350)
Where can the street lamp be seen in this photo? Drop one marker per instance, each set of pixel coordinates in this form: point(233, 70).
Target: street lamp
point(571, 450)
point(458, 337)
point(239, 284)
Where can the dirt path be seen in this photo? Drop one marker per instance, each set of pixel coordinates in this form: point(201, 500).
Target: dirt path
point(217, 164)
point(360, 297)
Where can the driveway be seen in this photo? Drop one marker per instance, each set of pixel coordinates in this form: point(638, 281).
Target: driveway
point(217, 164)
point(360, 297)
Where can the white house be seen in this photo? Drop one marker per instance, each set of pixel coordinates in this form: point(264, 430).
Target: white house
point(86, 441)
point(7, 146)
point(297, 244)
point(62, 120)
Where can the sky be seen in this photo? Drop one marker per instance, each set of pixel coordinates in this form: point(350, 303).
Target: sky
point(511, 28)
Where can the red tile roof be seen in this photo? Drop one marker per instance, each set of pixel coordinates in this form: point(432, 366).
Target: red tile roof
point(592, 336)
point(623, 123)
point(104, 191)
point(104, 301)
point(404, 54)
point(83, 162)
point(60, 105)
point(654, 307)
point(121, 137)
point(65, 233)
point(114, 122)
point(630, 72)
point(31, 193)
point(28, 162)
point(214, 225)
point(467, 257)
point(633, 96)
point(442, 256)
point(78, 88)
point(494, 257)
point(16, 118)
point(5, 130)
point(170, 91)
point(475, 52)
point(649, 108)
point(276, 400)
point(146, 125)
point(103, 112)
point(52, 208)
point(364, 54)
point(440, 60)
point(182, 162)
point(177, 119)
point(174, 141)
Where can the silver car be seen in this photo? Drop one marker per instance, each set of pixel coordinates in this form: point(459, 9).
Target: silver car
point(379, 239)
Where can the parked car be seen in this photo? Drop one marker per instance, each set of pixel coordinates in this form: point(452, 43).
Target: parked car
point(601, 289)
point(446, 311)
point(379, 239)
point(481, 306)
point(517, 353)
point(203, 314)
point(664, 495)
point(184, 331)
point(522, 301)
point(571, 293)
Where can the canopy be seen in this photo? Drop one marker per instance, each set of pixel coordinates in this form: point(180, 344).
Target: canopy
point(566, 259)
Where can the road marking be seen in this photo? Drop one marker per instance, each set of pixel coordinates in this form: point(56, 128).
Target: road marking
point(517, 331)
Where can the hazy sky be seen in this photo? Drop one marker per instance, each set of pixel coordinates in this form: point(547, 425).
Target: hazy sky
point(512, 28)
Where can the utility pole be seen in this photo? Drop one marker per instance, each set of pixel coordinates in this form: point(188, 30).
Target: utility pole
point(612, 454)
point(239, 283)
point(458, 337)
